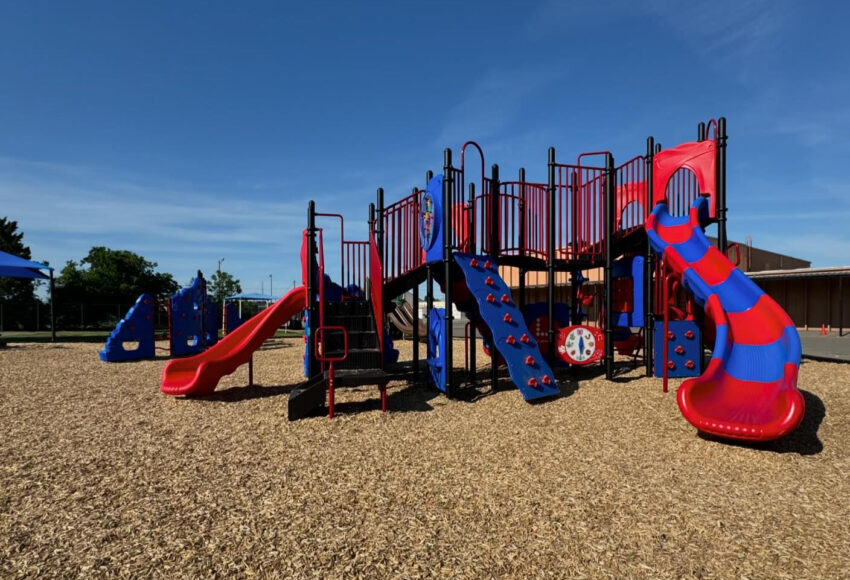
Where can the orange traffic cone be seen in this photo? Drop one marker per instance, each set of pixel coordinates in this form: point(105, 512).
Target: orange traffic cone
point(823, 329)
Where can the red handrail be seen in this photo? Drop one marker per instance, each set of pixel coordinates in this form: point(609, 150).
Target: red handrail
point(376, 289)
point(322, 356)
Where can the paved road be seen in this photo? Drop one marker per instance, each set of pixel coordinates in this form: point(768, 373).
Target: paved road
point(829, 347)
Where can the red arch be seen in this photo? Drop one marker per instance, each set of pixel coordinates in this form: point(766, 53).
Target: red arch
point(698, 156)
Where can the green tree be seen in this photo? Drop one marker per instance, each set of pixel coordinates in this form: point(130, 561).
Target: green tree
point(106, 275)
point(15, 292)
point(223, 285)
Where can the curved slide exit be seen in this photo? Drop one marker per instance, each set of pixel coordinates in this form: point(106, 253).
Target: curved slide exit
point(749, 389)
point(199, 374)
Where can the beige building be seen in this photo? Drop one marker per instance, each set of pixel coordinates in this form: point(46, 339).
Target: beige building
point(811, 296)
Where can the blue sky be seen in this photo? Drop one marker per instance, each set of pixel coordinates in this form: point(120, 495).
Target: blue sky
point(194, 131)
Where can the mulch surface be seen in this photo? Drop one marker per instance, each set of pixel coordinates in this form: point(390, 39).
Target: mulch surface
point(100, 474)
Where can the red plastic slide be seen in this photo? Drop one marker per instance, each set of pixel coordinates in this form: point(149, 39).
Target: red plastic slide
point(199, 374)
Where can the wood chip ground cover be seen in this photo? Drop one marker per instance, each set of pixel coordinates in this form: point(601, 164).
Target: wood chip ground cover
point(100, 474)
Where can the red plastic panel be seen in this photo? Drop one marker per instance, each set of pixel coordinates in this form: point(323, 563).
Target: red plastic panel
point(698, 156)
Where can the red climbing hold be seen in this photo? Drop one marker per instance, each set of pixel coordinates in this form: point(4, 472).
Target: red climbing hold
point(529, 360)
point(505, 299)
point(489, 281)
point(680, 349)
point(524, 339)
point(488, 265)
point(690, 364)
point(689, 334)
point(670, 335)
point(671, 365)
point(546, 380)
point(490, 298)
point(473, 262)
point(508, 318)
point(532, 382)
point(510, 339)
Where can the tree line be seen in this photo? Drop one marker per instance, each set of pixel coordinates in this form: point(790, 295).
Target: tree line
point(102, 277)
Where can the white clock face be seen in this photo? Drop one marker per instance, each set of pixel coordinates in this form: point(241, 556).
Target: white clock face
point(580, 344)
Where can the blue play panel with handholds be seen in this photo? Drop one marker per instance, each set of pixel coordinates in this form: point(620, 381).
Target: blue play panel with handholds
point(512, 338)
point(137, 327)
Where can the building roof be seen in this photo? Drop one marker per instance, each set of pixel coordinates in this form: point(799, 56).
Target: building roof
point(831, 272)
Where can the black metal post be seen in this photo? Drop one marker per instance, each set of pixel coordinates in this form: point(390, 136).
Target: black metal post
point(495, 221)
point(495, 251)
point(550, 256)
point(429, 275)
point(416, 331)
point(52, 311)
point(610, 188)
point(573, 194)
point(521, 290)
point(379, 242)
point(447, 267)
point(522, 233)
point(473, 319)
point(721, 185)
point(379, 224)
point(701, 132)
point(648, 266)
point(312, 306)
point(470, 221)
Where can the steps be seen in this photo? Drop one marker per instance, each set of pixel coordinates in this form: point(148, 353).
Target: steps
point(363, 362)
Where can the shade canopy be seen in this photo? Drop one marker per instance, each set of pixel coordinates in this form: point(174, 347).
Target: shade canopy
point(15, 267)
point(254, 296)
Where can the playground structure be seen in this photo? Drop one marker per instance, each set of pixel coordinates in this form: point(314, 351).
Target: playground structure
point(592, 214)
point(192, 325)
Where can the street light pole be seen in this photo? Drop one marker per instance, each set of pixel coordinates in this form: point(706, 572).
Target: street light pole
point(271, 292)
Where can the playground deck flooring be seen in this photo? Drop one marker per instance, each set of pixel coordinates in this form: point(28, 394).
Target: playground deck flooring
point(101, 474)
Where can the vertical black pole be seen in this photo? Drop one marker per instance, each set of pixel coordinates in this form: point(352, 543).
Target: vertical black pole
point(721, 185)
point(52, 312)
point(495, 251)
point(658, 148)
point(470, 222)
point(473, 319)
point(522, 233)
point(447, 267)
point(416, 297)
point(429, 272)
point(495, 218)
point(312, 309)
point(379, 225)
point(416, 331)
point(573, 197)
point(648, 265)
point(701, 132)
point(521, 291)
point(380, 243)
point(550, 256)
point(609, 259)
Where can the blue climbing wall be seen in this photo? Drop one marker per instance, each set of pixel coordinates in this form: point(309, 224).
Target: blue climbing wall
point(187, 309)
point(529, 372)
point(137, 326)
